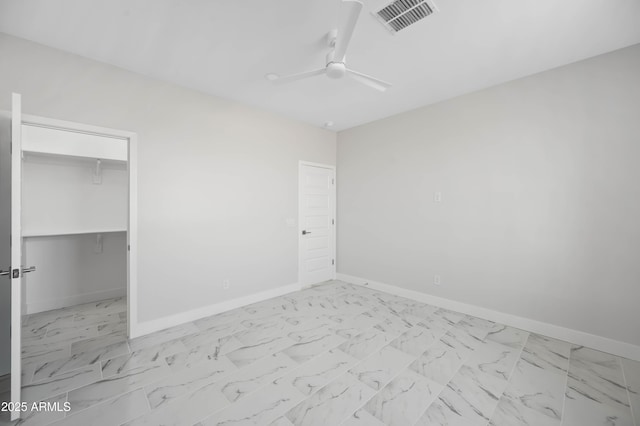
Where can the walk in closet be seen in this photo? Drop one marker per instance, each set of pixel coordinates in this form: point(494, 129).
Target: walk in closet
point(74, 217)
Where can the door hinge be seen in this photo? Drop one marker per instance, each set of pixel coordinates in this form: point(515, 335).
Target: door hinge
point(333, 181)
point(129, 247)
point(333, 261)
point(333, 221)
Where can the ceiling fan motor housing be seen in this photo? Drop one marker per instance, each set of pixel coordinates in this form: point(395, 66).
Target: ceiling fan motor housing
point(336, 69)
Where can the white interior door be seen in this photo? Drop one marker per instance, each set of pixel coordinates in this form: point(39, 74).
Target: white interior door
point(5, 244)
point(317, 202)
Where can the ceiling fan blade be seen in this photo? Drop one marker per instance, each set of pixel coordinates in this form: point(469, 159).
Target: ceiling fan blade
point(369, 81)
point(299, 76)
point(351, 12)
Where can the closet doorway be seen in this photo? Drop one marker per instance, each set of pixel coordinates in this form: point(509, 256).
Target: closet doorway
point(72, 259)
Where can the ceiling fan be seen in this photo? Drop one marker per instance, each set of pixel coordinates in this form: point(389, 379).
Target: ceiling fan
point(338, 43)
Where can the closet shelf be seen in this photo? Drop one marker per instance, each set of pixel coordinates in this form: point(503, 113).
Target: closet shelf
point(53, 232)
point(32, 155)
point(49, 141)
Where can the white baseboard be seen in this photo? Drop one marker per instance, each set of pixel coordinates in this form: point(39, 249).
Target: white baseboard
point(63, 302)
point(147, 327)
point(615, 347)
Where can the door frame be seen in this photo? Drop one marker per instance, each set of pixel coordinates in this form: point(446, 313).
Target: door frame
point(132, 226)
point(17, 288)
point(333, 209)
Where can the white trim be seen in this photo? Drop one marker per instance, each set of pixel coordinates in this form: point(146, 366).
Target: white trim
point(132, 232)
point(312, 164)
point(334, 200)
point(205, 311)
point(16, 253)
point(47, 305)
point(72, 126)
point(132, 240)
point(615, 347)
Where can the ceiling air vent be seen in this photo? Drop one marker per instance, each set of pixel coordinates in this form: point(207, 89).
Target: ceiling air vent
point(401, 13)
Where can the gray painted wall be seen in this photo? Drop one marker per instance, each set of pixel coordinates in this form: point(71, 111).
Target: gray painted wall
point(540, 211)
point(217, 180)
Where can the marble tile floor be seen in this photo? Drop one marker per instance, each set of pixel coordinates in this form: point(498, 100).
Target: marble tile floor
point(333, 354)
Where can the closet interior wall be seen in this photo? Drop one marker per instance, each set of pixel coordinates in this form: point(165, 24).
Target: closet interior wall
point(74, 215)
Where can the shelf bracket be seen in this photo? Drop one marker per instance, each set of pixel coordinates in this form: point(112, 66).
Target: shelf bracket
point(99, 246)
point(97, 173)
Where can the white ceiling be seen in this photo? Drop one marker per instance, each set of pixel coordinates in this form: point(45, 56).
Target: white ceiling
point(225, 47)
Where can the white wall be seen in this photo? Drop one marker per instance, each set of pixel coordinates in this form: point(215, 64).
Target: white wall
point(72, 270)
point(58, 195)
point(216, 180)
point(540, 182)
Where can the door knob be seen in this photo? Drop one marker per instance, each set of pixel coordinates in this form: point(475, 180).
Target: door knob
point(304, 232)
point(16, 273)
